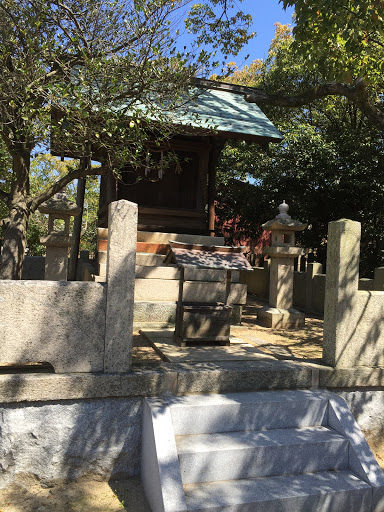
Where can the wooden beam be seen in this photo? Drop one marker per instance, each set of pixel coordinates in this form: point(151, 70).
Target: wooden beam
point(217, 146)
point(77, 224)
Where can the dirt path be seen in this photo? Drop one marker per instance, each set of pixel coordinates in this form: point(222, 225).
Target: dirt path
point(30, 495)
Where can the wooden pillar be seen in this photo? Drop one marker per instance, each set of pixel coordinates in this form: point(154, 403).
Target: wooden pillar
point(77, 223)
point(108, 194)
point(217, 145)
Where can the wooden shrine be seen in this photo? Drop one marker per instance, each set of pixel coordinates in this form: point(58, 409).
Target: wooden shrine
point(202, 322)
point(179, 197)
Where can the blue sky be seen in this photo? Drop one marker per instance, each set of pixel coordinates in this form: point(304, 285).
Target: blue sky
point(265, 14)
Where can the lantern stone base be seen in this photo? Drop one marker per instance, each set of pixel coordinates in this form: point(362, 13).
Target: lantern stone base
point(280, 318)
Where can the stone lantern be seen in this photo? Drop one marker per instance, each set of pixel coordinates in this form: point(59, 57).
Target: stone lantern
point(280, 314)
point(58, 239)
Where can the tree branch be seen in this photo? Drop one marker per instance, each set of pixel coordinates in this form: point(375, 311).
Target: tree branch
point(357, 93)
point(56, 187)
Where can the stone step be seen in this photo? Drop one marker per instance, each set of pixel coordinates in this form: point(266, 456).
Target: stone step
point(273, 451)
point(148, 314)
point(163, 238)
point(314, 492)
point(166, 290)
point(148, 259)
point(190, 274)
point(247, 454)
point(196, 414)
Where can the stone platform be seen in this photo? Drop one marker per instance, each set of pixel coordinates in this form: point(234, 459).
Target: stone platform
point(163, 343)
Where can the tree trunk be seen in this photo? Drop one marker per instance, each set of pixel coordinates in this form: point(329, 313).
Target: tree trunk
point(15, 241)
point(15, 230)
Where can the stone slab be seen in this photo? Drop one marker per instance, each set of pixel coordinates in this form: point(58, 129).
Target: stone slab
point(160, 471)
point(232, 412)
point(280, 318)
point(148, 259)
point(166, 290)
point(254, 454)
point(190, 274)
point(162, 341)
point(50, 387)
point(340, 378)
point(163, 238)
point(163, 314)
point(240, 376)
point(318, 492)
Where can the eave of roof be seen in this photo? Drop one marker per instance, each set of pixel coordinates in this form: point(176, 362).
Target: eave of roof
point(222, 106)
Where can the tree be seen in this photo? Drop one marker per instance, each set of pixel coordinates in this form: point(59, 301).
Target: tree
point(330, 164)
point(341, 42)
point(91, 64)
point(44, 170)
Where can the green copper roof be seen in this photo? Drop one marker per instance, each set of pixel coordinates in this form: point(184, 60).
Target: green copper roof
point(230, 114)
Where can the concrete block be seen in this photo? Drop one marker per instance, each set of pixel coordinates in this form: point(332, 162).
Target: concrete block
point(280, 318)
point(122, 231)
point(317, 492)
point(249, 454)
point(247, 411)
point(160, 472)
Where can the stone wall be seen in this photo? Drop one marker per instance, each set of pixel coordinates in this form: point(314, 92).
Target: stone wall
point(58, 322)
point(65, 440)
point(101, 438)
point(76, 326)
point(308, 286)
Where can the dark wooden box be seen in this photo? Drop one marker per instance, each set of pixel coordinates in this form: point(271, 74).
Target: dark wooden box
point(203, 323)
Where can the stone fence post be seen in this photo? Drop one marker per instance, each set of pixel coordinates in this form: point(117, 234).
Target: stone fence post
point(312, 270)
point(342, 282)
point(122, 238)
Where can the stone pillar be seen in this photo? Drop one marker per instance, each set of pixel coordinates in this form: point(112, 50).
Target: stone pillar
point(378, 279)
point(122, 237)
point(312, 270)
point(341, 286)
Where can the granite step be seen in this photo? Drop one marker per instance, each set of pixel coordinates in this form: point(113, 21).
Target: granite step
point(328, 491)
point(197, 414)
point(272, 451)
point(249, 454)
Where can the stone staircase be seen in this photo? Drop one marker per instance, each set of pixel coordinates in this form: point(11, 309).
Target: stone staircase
point(157, 285)
point(278, 451)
